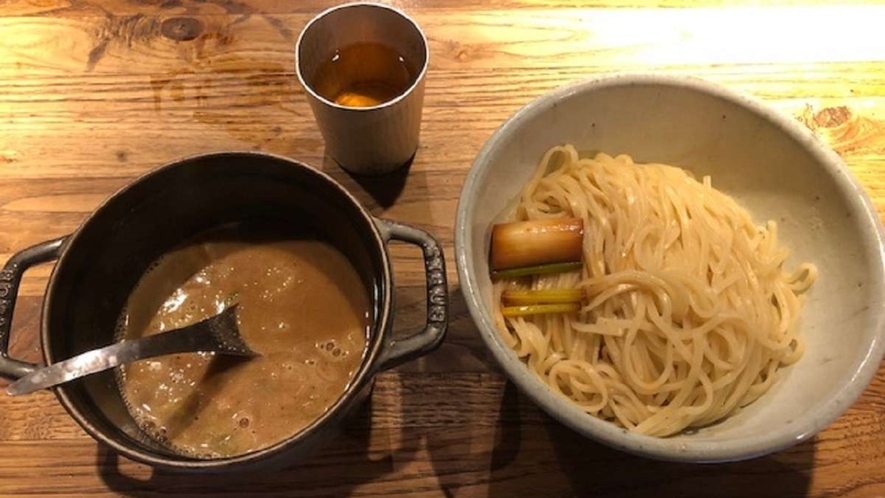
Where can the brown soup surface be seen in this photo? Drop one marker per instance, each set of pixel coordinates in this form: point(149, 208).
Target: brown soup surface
point(301, 305)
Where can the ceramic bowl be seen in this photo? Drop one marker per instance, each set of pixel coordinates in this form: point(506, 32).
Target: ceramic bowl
point(773, 166)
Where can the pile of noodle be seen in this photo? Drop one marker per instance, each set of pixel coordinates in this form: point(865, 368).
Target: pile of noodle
point(689, 311)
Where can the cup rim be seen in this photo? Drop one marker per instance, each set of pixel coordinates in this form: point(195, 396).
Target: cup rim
point(388, 103)
point(604, 431)
point(362, 378)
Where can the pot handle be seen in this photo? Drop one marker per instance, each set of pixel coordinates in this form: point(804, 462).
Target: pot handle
point(10, 278)
point(402, 350)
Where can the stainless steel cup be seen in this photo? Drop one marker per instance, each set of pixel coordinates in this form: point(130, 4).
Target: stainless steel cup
point(365, 140)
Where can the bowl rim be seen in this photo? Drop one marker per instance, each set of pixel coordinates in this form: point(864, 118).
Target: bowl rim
point(605, 432)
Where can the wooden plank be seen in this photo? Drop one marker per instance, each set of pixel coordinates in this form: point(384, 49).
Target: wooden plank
point(136, 44)
point(432, 400)
point(414, 440)
point(82, 8)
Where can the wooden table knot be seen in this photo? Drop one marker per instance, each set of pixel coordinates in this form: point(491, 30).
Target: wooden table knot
point(181, 28)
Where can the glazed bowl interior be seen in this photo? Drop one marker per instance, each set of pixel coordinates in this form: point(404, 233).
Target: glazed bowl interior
point(105, 259)
point(773, 167)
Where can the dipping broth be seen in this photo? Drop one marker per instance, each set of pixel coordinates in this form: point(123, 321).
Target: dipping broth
point(301, 305)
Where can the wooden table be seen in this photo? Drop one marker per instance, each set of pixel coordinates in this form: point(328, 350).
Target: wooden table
point(94, 93)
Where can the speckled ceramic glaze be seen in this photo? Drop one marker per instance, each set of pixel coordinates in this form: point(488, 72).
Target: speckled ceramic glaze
point(772, 165)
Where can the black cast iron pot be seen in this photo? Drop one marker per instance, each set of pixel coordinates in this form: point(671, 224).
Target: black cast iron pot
point(102, 261)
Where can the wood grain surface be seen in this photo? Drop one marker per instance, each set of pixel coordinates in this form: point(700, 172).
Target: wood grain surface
point(94, 93)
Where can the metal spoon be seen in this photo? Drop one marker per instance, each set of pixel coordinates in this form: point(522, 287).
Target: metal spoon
point(217, 334)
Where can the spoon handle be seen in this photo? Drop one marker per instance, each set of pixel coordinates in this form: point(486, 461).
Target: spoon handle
point(196, 337)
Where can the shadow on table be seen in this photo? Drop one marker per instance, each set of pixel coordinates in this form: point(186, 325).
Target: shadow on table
point(334, 471)
point(375, 192)
point(547, 459)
